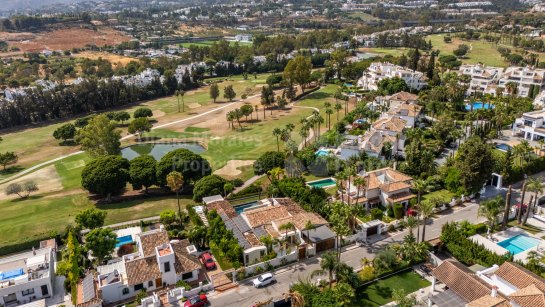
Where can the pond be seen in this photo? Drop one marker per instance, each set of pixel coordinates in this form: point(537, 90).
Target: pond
point(158, 150)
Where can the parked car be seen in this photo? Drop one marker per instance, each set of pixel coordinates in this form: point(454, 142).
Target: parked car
point(208, 261)
point(196, 301)
point(264, 280)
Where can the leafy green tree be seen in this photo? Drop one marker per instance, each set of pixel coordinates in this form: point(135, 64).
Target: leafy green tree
point(391, 86)
point(214, 92)
point(8, 158)
point(142, 112)
point(168, 217)
point(121, 116)
point(139, 126)
point(105, 175)
point(339, 216)
point(143, 172)
point(268, 161)
point(475, 163)
point(91, 218)
point(100, 137)
point(344, 294)
point(246, 110)
point(191, 165)
point(229, 93)
point(402, 299)
point(461, 51)
point(65, 132)
point(298, 71)
point(101, 242)
point(208, 186)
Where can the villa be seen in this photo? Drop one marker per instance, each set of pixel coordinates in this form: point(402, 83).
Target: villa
point(379, 71)
point(530, 126)
point(157, 262)
point(408, 112)
point(506, 285)
point(29, 276)
point(383, 187)
point(394, 100)
point(265, 218)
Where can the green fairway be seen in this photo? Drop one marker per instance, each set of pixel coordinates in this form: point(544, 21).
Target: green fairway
point(380, 293)
point(386, 51)
point(69, 170)
point(41, 216)
point(209, 43)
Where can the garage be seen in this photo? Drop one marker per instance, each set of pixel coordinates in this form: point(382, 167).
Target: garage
point(322, 237)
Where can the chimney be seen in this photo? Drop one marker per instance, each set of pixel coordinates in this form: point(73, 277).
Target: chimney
point(494, 291)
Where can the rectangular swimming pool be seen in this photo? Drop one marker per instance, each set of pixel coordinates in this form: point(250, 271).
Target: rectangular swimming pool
point(124, 240)
point(518, 244)
point(322, 183)
point(240, 208)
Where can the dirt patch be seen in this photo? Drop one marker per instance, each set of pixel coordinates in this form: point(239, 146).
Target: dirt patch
point(193, 105)
point(158, 113)
point(66, 39)
point(116, 60)
point(46, 178)
point(231, 168)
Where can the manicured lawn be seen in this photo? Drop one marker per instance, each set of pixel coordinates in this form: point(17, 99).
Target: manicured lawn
point(529, 228)
point(69, 170)
point(386, 51)
point(39, 216)
point(444, 195)
point(380, 292)
point(209, 43)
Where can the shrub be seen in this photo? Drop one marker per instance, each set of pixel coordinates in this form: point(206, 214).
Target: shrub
point(237, 182)
point(249, 190)
point(143, 112)
point(258, 270)
point(391, 227)
point(141, 295)
point(241, 274)
point(268, 161)
point(183, 284)
point(376, 214)
point(208, 186)
point(398, 211)
point(390, 211)
point(367, 273)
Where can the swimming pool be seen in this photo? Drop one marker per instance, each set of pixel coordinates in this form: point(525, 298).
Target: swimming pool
point(518, 244)
point(503, 147)
point(322, 183)
point(240, 208)
point(124, 240)
point(479, 105)
point(322, 152)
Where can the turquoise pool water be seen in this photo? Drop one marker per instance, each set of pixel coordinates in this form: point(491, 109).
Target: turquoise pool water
point(240, 208)
point(479, 105)
point(124, 240)
point(503, 147)
point(322, 153)
point(518, 244)
point(322, 183)
point(158, 150)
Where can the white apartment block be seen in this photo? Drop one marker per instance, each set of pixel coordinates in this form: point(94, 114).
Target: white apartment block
point(28, 277)
point(483, 78)
point(524, 77)
point(379, 71)
point(157, 263)
point(531, 125)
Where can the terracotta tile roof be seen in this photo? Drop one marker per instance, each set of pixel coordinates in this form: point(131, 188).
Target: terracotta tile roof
point(374, 141)
point(406, 109)
point(222, 206)
point(394, 124)
point(266, 215)
point(141, 270)
point(489, 301)
point(397, 176)
point(252, 239)
point(461, 280)
point(405, 96)
point(290, 205)
point(184, 262)
point(519, 276)
point(152, 239)
point(387, 176)
point(401, 197)
point(301, 219)
point(394, 186)
point(272, 231)
point(529, 296)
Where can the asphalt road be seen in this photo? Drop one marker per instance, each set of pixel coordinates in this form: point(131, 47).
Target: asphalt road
point(245, 295)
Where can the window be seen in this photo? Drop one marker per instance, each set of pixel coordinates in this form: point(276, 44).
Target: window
point(167, 267)
point(187, 275)
point(138, 287)
point(262, 253)
point(247, 258)
point(150, 283)
point(28, 291)
point(125, 291)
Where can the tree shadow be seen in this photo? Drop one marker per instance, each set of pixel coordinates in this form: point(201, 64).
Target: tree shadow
point(385, 292)
point(148, 139)
point(31, 197)
point(68, 143)
point(11, 170)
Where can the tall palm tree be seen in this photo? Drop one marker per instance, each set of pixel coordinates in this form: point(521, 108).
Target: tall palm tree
point(360, 183)
point(175, 181)
point(308, 227)
point(535, 185)
point(349, 173)
point(523, 195)
point(286, 227)
point(490, 210)
point(256, 108)
point(328, 111)
point(507, 209)
point(420, 186)
point(338, 107)
point(426, 210)
point(328, 265)
point(296, 299)
point(303, 133)
point(277, 132)
point(411, 223)
point(268, 242)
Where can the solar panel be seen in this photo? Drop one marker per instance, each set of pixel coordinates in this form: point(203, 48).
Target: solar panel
point(88, 288)
point(241, 224)
point(260, 232)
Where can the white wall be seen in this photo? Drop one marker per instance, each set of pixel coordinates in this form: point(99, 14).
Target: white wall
point(275, 262)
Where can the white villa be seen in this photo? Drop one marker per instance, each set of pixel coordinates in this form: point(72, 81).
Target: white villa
point(379, 71)
point(29, 276)
point(531, 125)
point(158, 262)
point(483, 78)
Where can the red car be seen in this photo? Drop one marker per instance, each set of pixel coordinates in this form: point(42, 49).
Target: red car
point(196, 301)
point(208, 261)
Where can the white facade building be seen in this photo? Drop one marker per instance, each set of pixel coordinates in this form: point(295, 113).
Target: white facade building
point(526, 78)
point(483, 78)
point(27, 277)
point(531, 125)
point(379, 71)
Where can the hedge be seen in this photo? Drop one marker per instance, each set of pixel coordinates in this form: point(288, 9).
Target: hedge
point(22, 246)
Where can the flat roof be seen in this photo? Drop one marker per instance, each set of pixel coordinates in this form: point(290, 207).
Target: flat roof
point(320, 234)
point(210, 199)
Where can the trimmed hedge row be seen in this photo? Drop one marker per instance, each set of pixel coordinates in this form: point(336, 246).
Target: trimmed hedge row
point(24, 245)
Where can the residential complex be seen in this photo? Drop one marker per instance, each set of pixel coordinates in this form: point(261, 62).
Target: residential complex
point(484, 79)
point(28, 276)
point(530, 126)
point(378, 71)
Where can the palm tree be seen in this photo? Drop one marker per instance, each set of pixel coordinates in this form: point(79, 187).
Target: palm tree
point(338, 107)
point(426, 210)
point(277, 132)
point(175, 181)
point(296, 299)
point(328, 265)
point(308, 227)
point(256, 108)
point(268, 242)
point(304, 135)
point(349, 173)
point(541, 143)
point(411, 223)
point(180, 93)
point(286, 227)
point(340, 177)
point(420, 186)
point(328, 111)
point(534, 185)
point(490, 210)
point(360, 183)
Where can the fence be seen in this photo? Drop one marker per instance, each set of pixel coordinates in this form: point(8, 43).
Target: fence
point(279, 261)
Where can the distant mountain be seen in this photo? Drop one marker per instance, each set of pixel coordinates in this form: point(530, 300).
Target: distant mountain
point(8, 5)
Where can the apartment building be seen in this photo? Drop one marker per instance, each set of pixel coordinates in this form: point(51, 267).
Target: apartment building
point(527, 80)
point(29, 276)
point(530, 126)
point(158, 262)
point(483, 78)
point(378, 71)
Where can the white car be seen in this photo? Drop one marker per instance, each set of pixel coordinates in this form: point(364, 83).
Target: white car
point(264, 280)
